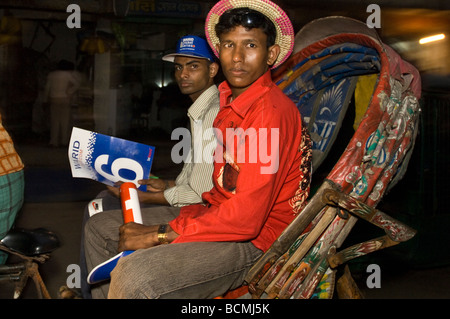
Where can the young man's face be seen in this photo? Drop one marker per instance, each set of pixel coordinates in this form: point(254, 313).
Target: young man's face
point(194, 76)
point(244, 57)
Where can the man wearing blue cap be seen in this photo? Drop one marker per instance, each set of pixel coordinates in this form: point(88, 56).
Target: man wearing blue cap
point(195, 68)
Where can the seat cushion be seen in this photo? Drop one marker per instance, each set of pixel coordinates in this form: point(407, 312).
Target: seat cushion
point(31, 242)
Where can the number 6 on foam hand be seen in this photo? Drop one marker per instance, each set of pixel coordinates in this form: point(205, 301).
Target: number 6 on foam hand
point(117, 165)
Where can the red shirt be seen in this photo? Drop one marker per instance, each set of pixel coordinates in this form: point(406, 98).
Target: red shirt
point(248, 203)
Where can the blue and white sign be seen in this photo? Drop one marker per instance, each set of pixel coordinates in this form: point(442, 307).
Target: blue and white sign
point(109, 159)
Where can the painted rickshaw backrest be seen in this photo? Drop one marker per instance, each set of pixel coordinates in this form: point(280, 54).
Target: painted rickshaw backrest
point(336, 61)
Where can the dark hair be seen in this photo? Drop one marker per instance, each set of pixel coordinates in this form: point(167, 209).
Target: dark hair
point(249, 19)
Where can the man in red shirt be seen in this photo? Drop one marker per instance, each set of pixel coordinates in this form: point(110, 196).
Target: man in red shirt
point(261, 175)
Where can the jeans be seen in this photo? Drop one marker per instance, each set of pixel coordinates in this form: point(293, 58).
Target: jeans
point(185, 270)
point(109, 202)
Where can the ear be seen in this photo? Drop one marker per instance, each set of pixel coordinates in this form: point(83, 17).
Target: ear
point(218, 47)
point(274, 52)
point(213, 69)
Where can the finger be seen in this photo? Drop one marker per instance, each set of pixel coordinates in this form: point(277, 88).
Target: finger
point(157, 184)
point(144, 181)
point(113, 190)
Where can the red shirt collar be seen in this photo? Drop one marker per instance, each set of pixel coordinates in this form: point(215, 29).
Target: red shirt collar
point(245, 100)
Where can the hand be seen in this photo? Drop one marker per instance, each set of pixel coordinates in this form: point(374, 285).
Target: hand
point(154, 184)
point(144, 197)
point(133, 236)
point(114, 190)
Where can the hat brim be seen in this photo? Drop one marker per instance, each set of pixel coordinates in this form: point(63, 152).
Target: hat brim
point(171, 57)
point(283, 25)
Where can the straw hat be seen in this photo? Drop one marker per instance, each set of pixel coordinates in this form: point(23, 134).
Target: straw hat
point(283, 25)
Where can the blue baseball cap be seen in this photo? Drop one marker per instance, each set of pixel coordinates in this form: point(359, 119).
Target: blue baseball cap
point(192, 46)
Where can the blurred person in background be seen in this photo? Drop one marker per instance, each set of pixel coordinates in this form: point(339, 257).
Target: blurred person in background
point(60, 88)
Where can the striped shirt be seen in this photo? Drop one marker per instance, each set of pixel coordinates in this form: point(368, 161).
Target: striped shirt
point(10, 161)
point(196, 176)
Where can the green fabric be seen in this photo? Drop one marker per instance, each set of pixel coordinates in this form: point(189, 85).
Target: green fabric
point(11, 201)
